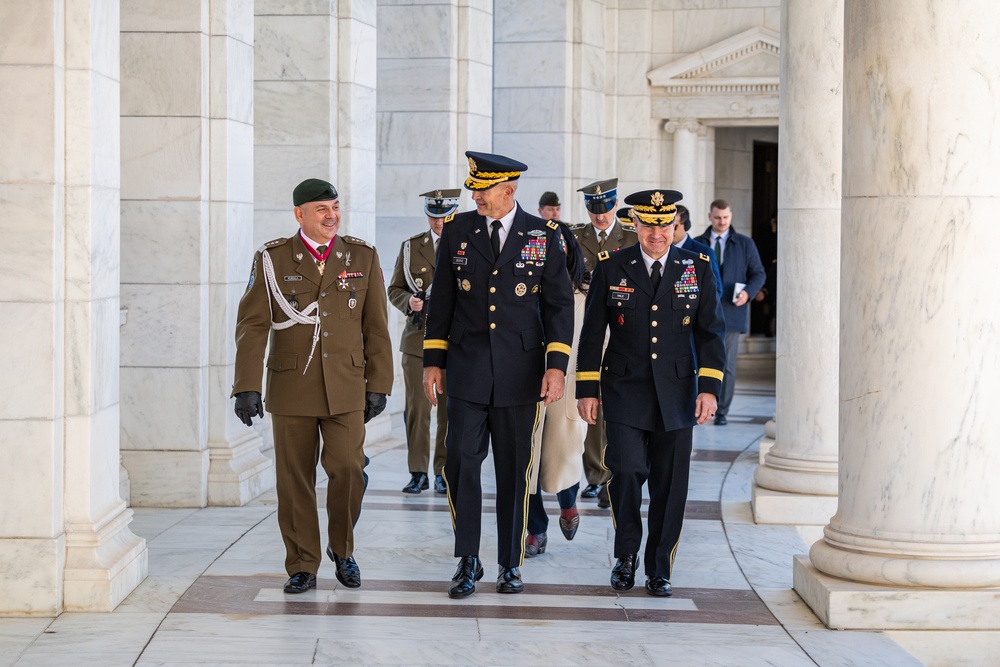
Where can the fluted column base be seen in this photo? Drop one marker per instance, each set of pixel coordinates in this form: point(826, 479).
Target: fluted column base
point(849, 605)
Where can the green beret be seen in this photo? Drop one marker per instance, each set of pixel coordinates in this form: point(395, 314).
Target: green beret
point(313, 189)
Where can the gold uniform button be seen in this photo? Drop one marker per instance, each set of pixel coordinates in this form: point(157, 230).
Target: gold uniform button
point(493, 325)
point(654, 339)
point(492, 290)
point(655, 307)
point(653, 323)
point(654, 355)
point(688, 306)
point(495, 271)
point(492, 308)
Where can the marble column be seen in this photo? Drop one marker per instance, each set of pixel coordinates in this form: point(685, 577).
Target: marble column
point(915, 542)
point(685, 166)
point(796, 482)
point(187, 160)
point(65, 542)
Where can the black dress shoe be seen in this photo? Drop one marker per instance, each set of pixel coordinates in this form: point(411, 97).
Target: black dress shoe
point(348, 572)
point(590, 491)
point(509, 580)
point(603, 497)
point(300, 582)
point(439, 486)
point(424, 482)
point(623, 573)
point(720, 420)
point(418, 481)
point(469, 571)
point(659, 586)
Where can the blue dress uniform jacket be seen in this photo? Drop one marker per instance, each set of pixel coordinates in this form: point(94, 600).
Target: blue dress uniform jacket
point(497, 325)
point(648, 371)
point(740, 264)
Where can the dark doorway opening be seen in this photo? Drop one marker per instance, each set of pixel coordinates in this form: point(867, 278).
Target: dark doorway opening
point(764, 228)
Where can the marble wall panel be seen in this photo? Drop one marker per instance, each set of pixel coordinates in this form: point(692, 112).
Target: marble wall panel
point(294, 48)
point(92, 32)
point(231, 81)
point(28, 112)
point(166, 325)
point(530, 110)
point(635, 156)
point(231, 160)
point(228, 426)
point(91, 247)
point(661, 33)
point(632, 68)
point(31, 470)
point(589, 23)
point(772, 19)
point(357, 53)
point(20, 45)
point(230, 242)
point(407, 138)
point(479, 33)
point(415, 85)
point(633, 117)
point(151, 400)
point(157, 16)
point(91, 356)
point(30, 363)
point(478, 93)
point(40, 591)
point(697, 29)
point(416, 31)
point(164, 74)
point(357, 105)
point(477, 137)
point(272, 224)
point(19, 271)
point(590, 67)
point(91, 445)
point(168, 478)
point(545, 153)
point(534, 65)
point(274, 122)
point(529, 21)
point(635, 28)
point(163, 158)
point(409, 180)
point(295, 7)
point(163, 241)
point(590, 116)
point(92, 141)
point(233, 18)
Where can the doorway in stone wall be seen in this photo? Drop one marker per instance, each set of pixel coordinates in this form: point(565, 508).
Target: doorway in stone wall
point(764, 228)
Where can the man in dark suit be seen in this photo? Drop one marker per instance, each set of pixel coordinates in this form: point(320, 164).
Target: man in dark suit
point(501, 321)
point(683, 240)
point(409, 290)
point(604, 232)
point(655, 298)
point(739, 263)
point(316, 301)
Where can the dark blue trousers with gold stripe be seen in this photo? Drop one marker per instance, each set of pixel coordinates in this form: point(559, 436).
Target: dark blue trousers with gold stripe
point(471, 427)
point(663, 458)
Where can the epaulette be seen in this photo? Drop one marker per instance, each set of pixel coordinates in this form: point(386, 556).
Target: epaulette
point(449, 217)
point(355, 240)
point(577, 226)
point(552, 224)
point(628, 228)
point(704, 256)
point(419, 235)
point(272, 244)
point(603, 255)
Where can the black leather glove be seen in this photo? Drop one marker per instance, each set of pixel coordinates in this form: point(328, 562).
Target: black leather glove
point(248, 404)
point(374, 405)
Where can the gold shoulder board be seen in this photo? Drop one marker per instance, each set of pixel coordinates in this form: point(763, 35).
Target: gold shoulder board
point(449, 217)
point(551, 224)
point(704, 256)
point(603, 255)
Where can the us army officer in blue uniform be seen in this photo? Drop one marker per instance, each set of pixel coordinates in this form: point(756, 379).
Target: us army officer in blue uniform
point(655, 298)
point(501, 321)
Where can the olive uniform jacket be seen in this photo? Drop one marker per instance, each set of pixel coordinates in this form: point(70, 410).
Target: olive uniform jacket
point(353, 354)
point(649, 368)
point(496, 324)
point(618, 237)
point(421, 270)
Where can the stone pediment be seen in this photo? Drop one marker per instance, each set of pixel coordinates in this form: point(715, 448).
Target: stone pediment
point(732, 82)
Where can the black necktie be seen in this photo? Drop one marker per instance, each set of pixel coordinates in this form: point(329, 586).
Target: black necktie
point(655, 276)
point(495, 237)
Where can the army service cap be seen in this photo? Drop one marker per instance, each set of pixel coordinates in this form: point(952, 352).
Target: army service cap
point(654, 207)
point(488, 169)
point(624, 215)
point(600, 196)
point(313, 189)
point(439, 203)
point(548, 199)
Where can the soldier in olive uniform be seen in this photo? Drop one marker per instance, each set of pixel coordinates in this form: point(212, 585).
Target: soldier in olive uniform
point(656, 299)
point(501, 321)
point(318, 298)
point(409, 290)
point(604, 232)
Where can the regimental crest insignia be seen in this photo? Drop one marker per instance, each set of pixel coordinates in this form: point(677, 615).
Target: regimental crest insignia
point(521, 289)
point(472, 165)
point(657, 198)
point(466, 285)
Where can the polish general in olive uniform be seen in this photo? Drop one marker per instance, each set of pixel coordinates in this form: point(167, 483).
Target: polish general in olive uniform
point(604, 233)
point(501, 321)
point(654, 298)
point(409, 291)
point(319, 299)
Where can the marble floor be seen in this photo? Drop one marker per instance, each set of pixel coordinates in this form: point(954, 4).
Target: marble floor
point(213, 595)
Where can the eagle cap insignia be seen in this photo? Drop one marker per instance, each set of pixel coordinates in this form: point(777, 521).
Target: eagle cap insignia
point(437, 194)
point(472, 165)
point(597, 190)
point(657, 198)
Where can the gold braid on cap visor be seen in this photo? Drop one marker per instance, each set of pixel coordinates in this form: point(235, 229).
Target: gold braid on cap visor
point(490, 178)
point(654, 215)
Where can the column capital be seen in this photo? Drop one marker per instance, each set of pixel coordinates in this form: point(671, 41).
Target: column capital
point(693, 125)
